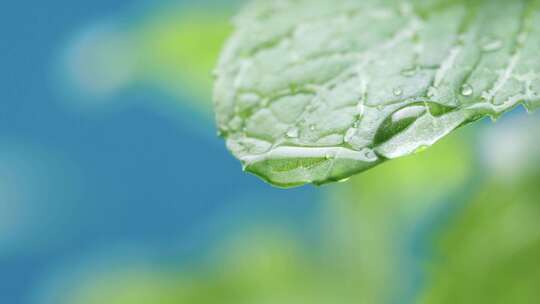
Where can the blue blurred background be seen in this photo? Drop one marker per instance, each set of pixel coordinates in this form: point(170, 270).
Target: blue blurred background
point(114, 188)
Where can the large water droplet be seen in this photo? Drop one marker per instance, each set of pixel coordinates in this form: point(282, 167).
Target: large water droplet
point(398, 91)
point(467, 90)
point(398, 122)
point(403, 118)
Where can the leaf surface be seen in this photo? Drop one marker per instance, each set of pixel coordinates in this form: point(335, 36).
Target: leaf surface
point(314, 91)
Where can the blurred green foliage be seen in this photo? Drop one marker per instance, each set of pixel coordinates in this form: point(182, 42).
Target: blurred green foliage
point(489, 254)
point(188, 44)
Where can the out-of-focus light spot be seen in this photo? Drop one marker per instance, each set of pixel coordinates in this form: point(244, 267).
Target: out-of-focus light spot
point(18, 188)
point(511, 147)
point(101, 61)
point(12, 198)
point(34, 186)
point(172, 49)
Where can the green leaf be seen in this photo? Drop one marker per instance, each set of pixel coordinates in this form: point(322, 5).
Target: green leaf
point(314, 91)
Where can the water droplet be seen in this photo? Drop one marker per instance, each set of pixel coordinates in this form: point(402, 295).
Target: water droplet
point(398, 91)
point(361, 109)
point(293, 133)
point(467, 90)
point(494, 117)
point(312, 127)
point(421, 149)
point(437, 109)
point(398, 122)
point(343, 180)
point(492, 45)
point(349, 135)
point(432, 91)
point(370, 155)
point(329, 155)
point(403, 118)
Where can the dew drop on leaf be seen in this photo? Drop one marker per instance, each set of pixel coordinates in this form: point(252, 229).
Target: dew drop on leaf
point(398, 121)
point(360, 109)
point(432, 91)
point(349, 135)
point(370, 155)
point(467, 90)
point(402, 118)
point(293, 133)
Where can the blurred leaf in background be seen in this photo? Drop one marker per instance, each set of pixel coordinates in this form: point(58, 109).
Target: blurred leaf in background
point(490, 250)
point(378, 217)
